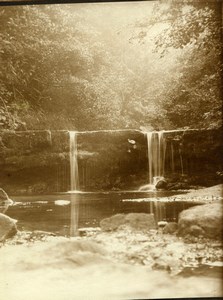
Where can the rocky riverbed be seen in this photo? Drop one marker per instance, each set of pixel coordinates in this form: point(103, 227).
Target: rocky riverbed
point(124, 264)
point(128, 257)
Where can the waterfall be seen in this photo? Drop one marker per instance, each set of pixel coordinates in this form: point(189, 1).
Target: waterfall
point(156, 145)
point(74, 180)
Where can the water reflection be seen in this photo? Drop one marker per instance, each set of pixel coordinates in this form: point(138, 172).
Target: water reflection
point(74, 215)
point(64, 214)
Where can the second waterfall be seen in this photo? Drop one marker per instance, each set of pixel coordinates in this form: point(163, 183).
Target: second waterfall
point(156, 155)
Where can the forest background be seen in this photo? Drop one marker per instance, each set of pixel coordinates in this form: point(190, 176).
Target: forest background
point(111, 66)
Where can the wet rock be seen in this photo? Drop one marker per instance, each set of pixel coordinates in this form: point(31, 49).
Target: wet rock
point(203, 220)
point(4, 201)
point(196, 230)
point(7, 227)
point(170, 228)
point(161, 184)
point(188, 239)
point(88, 231)
point(113, 222)
point(138, 221)
point(162, 224)
point(178, 186)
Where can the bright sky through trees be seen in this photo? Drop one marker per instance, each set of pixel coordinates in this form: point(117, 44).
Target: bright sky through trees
point(111, 65)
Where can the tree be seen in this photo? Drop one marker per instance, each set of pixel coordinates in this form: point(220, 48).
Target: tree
point(191, 30)
point(52, 63)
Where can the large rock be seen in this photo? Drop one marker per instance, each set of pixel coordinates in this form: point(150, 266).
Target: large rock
point(161, 184)
point(7, 227)
point(205, 220)
point(4, 201)
point(113, 222)
point(138, 221)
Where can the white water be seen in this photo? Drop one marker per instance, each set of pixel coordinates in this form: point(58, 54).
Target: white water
point(74, 178)
point(156, 155)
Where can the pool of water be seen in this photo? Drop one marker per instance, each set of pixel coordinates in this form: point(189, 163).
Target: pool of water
point(62, 213)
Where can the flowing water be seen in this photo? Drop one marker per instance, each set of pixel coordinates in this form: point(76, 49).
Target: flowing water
point(74, 178)
point(156, 145)
point(164, 157)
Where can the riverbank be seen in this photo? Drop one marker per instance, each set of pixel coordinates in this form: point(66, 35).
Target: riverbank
point(202, 195)
point(213, 193)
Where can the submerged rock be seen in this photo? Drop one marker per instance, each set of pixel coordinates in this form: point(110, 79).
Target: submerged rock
point(202, 220)
point(138, 221)
point(7, 227)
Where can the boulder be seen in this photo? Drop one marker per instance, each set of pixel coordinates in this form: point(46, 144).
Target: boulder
point(140, 221)
point(7, 227)
point(113, 222)
point(137, 221)
point(161, 184)
point(170, 227)
point(4, 201)
point(201, 220)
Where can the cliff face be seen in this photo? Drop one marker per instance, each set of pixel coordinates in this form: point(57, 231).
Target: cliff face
point(198, 152)
point(39, 161)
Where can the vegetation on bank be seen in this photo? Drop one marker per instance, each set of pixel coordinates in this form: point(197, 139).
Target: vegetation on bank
point(86, 67)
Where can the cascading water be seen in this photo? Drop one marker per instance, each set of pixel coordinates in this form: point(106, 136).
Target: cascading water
point(156, 155)
point(74, 183)
point(74, 178)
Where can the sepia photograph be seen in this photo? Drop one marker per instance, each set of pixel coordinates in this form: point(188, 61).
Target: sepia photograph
point(111, 165)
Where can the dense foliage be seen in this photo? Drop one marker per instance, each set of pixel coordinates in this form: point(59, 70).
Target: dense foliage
point(68, 67)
